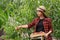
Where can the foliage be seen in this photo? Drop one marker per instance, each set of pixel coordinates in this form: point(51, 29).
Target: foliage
point(19, 12)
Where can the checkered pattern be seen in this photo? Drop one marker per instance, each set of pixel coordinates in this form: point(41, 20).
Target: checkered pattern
point(47, 26)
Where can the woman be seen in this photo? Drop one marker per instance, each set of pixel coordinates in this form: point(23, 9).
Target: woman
point(42, 23)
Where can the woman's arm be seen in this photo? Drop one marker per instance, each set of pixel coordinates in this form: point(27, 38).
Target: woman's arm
point(21, 26)
point(49, 32)
point(50, 28)
point(46, 34)
point(27, 25)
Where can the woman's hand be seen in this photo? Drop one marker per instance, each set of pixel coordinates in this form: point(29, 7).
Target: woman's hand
point(21, 26)
point(46, 35)
point(17, 28)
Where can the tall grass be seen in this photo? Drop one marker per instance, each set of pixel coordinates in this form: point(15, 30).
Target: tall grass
point(18, 12)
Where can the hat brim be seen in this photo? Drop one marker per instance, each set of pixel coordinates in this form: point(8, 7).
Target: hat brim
point(39, 9)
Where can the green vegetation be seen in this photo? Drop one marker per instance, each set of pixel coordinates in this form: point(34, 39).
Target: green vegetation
point(18, 12)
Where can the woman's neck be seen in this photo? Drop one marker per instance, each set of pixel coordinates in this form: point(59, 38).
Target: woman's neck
point(42, 17)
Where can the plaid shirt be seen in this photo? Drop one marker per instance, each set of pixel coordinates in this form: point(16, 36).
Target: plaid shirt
point(47, 26)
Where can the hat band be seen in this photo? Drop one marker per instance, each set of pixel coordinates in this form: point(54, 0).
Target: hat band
point(42, 9)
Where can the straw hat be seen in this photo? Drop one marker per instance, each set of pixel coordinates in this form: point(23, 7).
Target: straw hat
point(41, 8)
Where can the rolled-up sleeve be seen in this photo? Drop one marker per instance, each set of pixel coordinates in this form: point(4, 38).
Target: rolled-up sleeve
point(31, 24)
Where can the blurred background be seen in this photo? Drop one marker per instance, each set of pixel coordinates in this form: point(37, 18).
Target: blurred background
point(18, 12)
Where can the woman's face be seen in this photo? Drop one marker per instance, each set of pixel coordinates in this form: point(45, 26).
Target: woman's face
point(39, 13)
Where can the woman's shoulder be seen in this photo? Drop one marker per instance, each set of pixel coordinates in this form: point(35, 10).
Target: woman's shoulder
point(45, 18)
point(36, 18)
point(48, 19)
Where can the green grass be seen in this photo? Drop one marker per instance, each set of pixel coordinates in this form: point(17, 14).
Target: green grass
point(18, 12)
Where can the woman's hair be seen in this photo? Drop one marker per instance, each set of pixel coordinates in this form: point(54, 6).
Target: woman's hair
point(44, 15)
